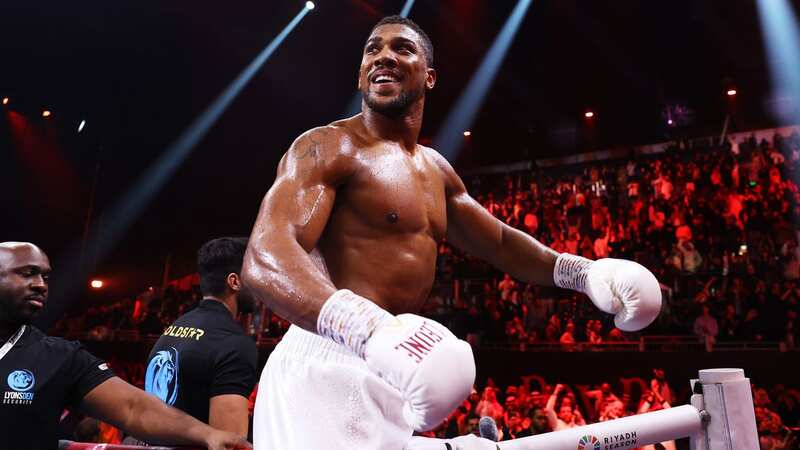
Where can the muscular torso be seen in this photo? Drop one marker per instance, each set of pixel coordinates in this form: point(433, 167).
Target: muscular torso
point(389, 214)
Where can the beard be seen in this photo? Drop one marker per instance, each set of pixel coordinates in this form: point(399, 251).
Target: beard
point(397, 107)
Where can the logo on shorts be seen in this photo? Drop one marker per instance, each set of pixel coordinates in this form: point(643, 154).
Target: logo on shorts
point(588, 442)
point(20, 381)
point(161, 378)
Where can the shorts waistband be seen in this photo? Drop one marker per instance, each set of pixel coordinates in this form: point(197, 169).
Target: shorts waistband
point(298, 342)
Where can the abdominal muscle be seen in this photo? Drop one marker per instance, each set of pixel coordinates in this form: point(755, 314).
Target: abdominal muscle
point(396, 271)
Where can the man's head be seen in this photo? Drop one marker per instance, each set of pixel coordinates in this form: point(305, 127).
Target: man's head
point(471, 424)
point(396, 66)
point(24, 277)
point(219, 263)
point(565, 413)
point(538, 421)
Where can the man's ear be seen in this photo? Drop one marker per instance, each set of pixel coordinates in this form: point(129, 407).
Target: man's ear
point(233, 282)
point(430, 79)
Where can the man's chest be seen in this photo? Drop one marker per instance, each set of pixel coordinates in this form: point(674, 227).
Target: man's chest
point(400, 193)
point(31, 382)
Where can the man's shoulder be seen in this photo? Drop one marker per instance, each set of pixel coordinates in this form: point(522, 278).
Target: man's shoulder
point(58, 344)
point(448, 173)
point(340, 137)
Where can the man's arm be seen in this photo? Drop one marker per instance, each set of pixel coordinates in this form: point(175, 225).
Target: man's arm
point(471, 228)
point(623, 288)
point(277, 267)
point(228, 412)
point(148, 418)
point(550, 407)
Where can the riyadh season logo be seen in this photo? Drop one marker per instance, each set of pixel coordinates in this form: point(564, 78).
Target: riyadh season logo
point(588, 442)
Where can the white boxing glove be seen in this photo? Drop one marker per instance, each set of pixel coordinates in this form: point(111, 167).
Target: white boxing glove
point(468, 442)
point(472, 442)
point(617, 286)
point(433, 370)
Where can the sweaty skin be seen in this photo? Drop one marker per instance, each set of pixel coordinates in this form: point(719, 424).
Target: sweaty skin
point(373, 204)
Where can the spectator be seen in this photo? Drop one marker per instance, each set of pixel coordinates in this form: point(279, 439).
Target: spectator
point(567, 417)
point(538, 423)
point(705, 326)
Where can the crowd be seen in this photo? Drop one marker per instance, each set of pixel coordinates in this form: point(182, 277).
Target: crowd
point(716, 224)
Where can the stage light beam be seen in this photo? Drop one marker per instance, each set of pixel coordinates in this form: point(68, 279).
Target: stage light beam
point(130, 206)
point(462, 115)
point(781, 31)
point(407, 8)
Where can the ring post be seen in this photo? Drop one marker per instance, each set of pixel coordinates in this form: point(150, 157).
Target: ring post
point(728, 401)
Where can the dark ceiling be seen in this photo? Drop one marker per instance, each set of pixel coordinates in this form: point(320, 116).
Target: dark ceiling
point(140, 71)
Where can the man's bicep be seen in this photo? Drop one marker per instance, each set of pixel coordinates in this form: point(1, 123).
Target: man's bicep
point(471, 228)
point(302, 197)
point(295, 207)
point(111, 401)
point(229, 412)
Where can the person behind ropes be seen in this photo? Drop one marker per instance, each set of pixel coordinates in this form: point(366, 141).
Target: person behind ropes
point(42, 375)
point(203, 363)
point(567, 416)
point(345, 246)
point(539, 423)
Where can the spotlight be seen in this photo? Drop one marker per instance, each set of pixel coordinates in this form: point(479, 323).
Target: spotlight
point(588, 114)
point(96, 284)
point(46, 113)
point(468, 133)
point(5, 100)
point(310, 5)
point(731, 92)
point(670, 122)
point(82, 124)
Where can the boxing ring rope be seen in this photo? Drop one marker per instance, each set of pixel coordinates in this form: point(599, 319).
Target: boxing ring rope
point(69, 445)
point(627, 432)
point(720, 417)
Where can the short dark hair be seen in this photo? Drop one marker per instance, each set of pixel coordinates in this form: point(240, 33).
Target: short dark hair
point(400, 20)
point(216, 259)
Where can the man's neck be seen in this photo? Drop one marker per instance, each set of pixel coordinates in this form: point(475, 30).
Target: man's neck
point(403, 129)
point(229, 302)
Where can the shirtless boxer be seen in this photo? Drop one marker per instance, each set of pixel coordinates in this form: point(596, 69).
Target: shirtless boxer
point(344, 247)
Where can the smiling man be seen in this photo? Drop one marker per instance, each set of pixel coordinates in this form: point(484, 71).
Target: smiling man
point(344, 247)
point(40, 375)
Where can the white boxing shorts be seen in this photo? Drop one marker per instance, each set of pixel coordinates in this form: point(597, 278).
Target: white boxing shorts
point(316, 394)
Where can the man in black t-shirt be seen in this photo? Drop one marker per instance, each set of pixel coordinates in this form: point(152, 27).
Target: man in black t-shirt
point(40, 375)
point(203, 363)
